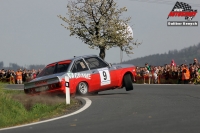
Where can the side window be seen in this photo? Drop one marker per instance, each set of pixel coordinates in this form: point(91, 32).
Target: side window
point(79, 66)
point(95, 63)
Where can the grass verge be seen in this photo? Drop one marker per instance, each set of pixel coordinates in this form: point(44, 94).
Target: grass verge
point(17, 108)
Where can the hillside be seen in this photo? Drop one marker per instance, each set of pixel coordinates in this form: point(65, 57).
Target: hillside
point(185, 55)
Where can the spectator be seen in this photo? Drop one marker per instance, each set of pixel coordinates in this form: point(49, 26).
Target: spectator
point(30, 74)
point(24, 75)
point(198, 69)
point(180, 74)
point(19, 76)
point(3, 75)
point(155, 75)
point(39, 70)
point(190, 67)
point(197, 79)
point(141, 71)
point(147, 66)
point(166, 72)
point(175, 74)
point(12, 77)
point(192, 75)
point(185, 74)
point(173, 64)
point(146, 74)
point(34, 73)
point(8, 76)
point(195, 63)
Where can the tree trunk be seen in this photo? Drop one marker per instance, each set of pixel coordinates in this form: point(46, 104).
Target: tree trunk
point(102, 53)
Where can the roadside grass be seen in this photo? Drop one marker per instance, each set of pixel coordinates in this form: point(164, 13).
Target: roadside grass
point(17, 108)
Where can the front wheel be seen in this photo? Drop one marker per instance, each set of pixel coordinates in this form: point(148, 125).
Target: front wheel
point(128, 82)
point(82, 88)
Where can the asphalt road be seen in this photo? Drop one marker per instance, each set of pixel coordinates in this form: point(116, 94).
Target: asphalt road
point(146, 109)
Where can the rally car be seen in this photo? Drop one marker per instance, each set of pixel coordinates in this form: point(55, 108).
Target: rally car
point(86, 74)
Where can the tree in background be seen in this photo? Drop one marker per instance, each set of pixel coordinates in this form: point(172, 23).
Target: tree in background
point(98, 23)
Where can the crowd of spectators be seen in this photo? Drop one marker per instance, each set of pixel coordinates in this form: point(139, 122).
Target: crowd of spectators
point(179, 74)
point(18, 77)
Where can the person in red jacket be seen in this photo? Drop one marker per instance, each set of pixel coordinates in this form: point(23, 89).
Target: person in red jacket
point(173, 64)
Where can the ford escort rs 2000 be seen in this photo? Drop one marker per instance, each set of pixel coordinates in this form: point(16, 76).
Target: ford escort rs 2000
point(86, 74)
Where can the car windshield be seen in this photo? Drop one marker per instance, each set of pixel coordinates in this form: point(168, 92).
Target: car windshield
point(54, 68)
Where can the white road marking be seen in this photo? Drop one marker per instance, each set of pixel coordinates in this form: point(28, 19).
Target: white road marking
point(87, 105)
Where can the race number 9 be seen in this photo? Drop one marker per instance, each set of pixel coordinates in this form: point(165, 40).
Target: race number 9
point(104, 76)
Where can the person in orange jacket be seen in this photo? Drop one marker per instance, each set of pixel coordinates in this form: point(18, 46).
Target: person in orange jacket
point(185, 74)
point(19, 76)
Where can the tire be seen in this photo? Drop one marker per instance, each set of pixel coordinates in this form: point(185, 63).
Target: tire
point(82, 88)
point(26, 91)
point(128, 82)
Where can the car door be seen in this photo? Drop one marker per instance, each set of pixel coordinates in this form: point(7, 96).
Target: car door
point(80, 67)
point(101, 72)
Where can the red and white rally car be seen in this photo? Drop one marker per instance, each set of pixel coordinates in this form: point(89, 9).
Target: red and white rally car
point(87, 74)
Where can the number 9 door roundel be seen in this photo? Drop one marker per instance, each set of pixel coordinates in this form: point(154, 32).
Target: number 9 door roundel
point(104, 76)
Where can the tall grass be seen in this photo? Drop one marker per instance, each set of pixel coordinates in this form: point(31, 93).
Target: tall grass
point(18, 108)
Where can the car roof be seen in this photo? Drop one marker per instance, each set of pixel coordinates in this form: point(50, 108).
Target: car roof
point(75, 57)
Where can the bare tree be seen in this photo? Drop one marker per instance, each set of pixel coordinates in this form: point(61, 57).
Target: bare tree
point(98, 23)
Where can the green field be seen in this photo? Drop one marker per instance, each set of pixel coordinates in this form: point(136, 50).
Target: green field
point(17, 108)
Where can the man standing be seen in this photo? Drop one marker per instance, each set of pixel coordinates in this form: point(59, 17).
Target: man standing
point(155, 75)
point(148, 67)
point(19, 76)
point(146, 74)
point(195, 63)
point(185, 74)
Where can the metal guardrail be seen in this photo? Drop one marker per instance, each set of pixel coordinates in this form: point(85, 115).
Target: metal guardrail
point(14, 86)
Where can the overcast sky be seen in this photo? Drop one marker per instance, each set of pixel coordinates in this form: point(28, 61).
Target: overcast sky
point(31, 32)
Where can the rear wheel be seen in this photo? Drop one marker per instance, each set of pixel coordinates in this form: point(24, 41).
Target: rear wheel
point(82, 88)
point(128, 82)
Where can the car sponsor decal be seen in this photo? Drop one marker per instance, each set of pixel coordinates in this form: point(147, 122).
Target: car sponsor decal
point(104, 76)
point(79, 75)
